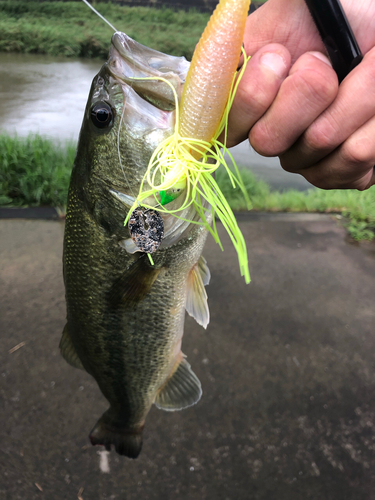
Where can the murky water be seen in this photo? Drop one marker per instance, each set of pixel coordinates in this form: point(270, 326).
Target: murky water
point(47, 95)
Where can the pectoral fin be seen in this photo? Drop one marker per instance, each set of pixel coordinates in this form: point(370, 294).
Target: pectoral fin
point(126, 199)
point(182, 389)
point(134, 284)
point(68, 351)
point(203, 269)
point(196, 298)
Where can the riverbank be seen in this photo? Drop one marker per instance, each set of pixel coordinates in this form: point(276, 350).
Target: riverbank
point(35, 171)
point(71, 29)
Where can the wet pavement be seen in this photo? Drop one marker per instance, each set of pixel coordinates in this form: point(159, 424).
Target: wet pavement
point(286, 364)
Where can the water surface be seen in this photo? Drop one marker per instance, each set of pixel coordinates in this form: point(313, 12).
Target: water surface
point(47, 95)
point(43, 94)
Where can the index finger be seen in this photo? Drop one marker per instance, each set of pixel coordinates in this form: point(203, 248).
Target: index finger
point(257, 89)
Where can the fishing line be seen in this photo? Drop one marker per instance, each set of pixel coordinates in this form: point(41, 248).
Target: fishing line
point(98, 14)
point(122, 116)
point(122, 119)
point(173, 161)
point(124, 104)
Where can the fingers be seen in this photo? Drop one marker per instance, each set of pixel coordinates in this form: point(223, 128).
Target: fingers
point(309, 89)
point(258, 88)
point(320, 130)
point(351, 166)
point(287, 22)
point(353, 107)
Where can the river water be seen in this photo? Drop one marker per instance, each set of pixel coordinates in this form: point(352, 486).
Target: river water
point(47, 95)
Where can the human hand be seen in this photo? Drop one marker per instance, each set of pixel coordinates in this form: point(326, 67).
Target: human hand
point(318, 129)
point(289, 23)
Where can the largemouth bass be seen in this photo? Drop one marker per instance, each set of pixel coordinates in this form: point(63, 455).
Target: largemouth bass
point(125, 317)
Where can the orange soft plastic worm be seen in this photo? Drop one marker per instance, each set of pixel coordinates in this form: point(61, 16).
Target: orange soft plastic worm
point(211, 72)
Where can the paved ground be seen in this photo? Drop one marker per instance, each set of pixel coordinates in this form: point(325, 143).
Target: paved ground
point(287, 367)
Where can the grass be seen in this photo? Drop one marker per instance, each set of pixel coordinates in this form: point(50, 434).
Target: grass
point(36, 171)
point(71, 29)
point(358, 208)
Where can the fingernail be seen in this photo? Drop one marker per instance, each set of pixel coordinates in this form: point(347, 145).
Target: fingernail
point(322, 57)
point(274, 62)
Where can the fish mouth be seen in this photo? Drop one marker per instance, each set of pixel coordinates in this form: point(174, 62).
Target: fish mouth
point(142, 68)
point(158, 80)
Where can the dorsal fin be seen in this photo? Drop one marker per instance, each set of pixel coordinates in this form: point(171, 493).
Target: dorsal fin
point(68, 351)
point(182, 389)
point(196, 296)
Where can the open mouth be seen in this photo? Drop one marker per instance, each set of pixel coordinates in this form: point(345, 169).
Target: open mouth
point(142, 67)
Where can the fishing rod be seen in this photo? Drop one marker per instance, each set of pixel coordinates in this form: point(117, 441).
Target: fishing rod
point(337, 35)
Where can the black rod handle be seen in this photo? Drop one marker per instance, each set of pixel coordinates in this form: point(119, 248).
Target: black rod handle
point(337, 35)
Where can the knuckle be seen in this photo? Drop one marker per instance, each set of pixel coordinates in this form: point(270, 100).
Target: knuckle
point(318, 88)
point(328, 84)
point(320, 136)
point(260, 139)
point(358, 151)
point(254, 99)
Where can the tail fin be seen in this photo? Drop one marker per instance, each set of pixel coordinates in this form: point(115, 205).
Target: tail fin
point(127, 441)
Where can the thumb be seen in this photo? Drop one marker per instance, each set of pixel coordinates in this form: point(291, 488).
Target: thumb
point(257, 89)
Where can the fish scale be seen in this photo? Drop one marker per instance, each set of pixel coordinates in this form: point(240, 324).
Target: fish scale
point(125, 314)
point(128, 348)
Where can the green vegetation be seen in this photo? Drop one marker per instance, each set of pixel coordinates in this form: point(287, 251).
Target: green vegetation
point(36, 171)
point(71, 29)
point(358, 208)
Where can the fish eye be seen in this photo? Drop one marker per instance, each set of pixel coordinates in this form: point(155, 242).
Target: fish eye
point(101, 115)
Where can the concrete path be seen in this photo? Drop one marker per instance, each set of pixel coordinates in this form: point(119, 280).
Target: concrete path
point(287, 368)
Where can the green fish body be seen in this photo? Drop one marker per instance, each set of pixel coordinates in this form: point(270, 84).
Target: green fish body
point(125, 316)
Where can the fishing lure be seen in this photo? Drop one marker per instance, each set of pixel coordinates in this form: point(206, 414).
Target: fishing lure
point(184, 162)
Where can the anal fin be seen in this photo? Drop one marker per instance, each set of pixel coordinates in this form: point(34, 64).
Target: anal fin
point(68, 351)
point(182, 389)
point(196, 297)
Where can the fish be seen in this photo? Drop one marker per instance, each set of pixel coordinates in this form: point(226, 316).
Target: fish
point(125, 316)
point(125, 311)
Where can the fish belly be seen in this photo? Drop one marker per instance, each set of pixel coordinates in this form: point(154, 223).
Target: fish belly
point(130, 344)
